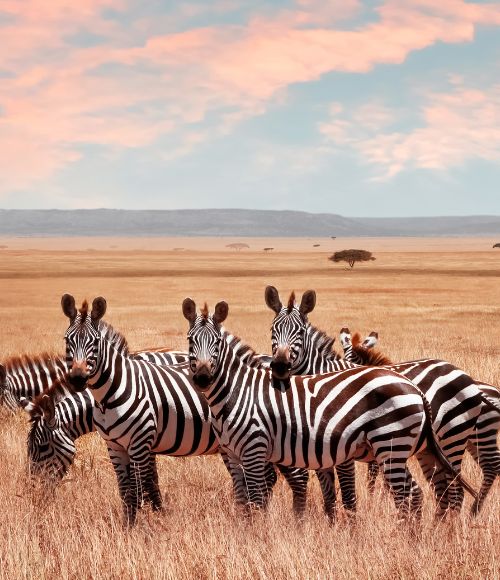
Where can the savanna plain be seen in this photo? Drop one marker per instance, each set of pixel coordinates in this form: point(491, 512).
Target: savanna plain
point(438, 298)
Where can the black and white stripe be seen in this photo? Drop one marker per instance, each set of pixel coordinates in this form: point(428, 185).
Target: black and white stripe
point(57, 421)
point(25, 377)
point(456, 402)
point(482, 444)
point(141, 408)
point(313, 422)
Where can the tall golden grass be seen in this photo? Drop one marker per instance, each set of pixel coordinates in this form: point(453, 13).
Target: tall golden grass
point(442, 304)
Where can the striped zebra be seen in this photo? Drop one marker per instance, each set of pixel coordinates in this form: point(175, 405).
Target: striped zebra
point(312, 422)
point(58, 417)
point(300, 348)
point(27, 376)
point(456, 402)
point(142, 409)
point(482, 445)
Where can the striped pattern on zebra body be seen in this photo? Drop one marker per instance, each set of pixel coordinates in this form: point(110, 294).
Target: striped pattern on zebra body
point(482, 444)
point(455, 400)
point(142, 409)
point(314, 422)
point(27, 376)
point(54, 430)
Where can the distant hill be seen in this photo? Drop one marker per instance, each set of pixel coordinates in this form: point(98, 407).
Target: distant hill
point(232, 222)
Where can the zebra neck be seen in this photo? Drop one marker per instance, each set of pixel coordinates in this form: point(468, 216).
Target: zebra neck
point(28, 377)
point(231, 376)
point(107, 377)
point(75, 415)
point(318, 354)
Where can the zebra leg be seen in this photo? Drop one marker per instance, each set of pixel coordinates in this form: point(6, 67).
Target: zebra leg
point(239, 483)
point(297, 478)
point(152, 493)
point(347, 481)
point(141, 485)
point(239, 486)
point(373, 471)
point(488, 457)
point(254, 470)
point(121, 464)
point(405, 490)
point(438, 480)
point(326, 478)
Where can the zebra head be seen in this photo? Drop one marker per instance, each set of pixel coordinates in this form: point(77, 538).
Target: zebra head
point(288, 331)
point(82, 339)
point(7, 398)
point(204, 338)
point(51, 450)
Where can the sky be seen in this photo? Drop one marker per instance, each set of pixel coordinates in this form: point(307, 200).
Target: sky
point(360, 108)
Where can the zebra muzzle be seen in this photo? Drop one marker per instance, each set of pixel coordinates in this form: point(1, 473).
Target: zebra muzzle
point(202, 377)
point(281, 369)
point(78, 375)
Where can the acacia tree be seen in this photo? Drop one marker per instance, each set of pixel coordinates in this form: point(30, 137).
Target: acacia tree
point(497, 245)
point(352, 256)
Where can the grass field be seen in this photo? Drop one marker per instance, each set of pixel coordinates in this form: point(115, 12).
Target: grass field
point(436, 298)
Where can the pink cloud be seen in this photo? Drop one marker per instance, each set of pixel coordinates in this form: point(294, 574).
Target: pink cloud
point(58, 98)
point(457, 126)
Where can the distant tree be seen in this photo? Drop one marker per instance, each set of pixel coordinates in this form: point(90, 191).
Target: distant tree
point(497, 245)
point(316, 245)
point(352, 256)
point(268, 249)
point(3, 247)
point(237, 246)
point(333, 237)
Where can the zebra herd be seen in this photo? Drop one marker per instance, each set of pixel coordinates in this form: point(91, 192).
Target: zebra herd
point(303, 408)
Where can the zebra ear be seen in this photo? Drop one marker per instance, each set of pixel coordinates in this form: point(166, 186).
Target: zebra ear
point(48, 408)
point(345, 337)
point(273, 299)
point(189, 310)
point(68, 306)
point(32, 410)
point(371, 340)
point(98, 308)
point(221, 312)
point(308, 302)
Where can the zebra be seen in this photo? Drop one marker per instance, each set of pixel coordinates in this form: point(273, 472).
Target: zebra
point(58, 417)
point(456, 402)
point(27, 376)
point(313, 422)
point(482, 445)
point(142, 409)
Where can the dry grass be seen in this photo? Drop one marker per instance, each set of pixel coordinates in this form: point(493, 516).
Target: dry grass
point(438, 303)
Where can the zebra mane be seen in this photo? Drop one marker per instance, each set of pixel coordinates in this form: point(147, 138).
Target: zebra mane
point(369, 356)
point(26, 362)
point(241, 350)
point(84, 311)
point(58, 390)
point(323, 343)
point(116, 338)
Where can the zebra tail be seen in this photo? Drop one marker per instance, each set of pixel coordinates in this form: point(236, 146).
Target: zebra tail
point(489, 402)
point(434, 446)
